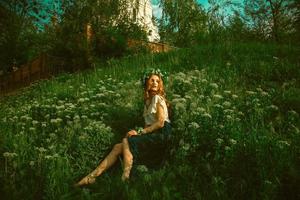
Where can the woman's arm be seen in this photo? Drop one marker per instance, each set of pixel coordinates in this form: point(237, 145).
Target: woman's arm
point(160, 120)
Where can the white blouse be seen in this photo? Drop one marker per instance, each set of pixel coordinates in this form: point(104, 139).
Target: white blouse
point(150, 111)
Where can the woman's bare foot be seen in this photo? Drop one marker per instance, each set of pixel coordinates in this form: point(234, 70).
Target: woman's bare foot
point(89, 179)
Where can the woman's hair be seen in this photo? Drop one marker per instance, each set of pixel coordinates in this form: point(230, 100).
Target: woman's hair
point(160, 91)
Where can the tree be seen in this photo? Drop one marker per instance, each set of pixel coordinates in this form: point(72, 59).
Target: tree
point(295, 6)
point(109, 21)
point(18, 26)
point(270, 18)
point(236, 28)
point(181, 21)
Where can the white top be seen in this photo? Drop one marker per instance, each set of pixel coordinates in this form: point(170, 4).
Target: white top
point(150, 112)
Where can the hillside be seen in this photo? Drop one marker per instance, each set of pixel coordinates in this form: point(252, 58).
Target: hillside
point(235, 125)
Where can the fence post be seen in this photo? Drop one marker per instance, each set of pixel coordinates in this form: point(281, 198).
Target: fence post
point(1, 85)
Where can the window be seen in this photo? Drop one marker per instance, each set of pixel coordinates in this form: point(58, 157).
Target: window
point(134, 14)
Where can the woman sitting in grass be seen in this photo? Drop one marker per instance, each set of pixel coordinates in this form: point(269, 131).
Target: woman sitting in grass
point(146, 143)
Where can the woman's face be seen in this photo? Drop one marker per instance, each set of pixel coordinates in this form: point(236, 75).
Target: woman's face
point(153, 83)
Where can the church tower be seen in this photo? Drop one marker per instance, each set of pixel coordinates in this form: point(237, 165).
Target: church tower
point(142, 13)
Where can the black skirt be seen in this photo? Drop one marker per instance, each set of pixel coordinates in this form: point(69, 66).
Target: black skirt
point(149, 149)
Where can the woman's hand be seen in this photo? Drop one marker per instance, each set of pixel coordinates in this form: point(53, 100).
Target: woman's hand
point(131, 133)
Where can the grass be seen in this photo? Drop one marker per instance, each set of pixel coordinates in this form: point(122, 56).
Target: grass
point(235, 127)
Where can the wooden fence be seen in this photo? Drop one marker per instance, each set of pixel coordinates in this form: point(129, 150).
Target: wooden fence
point(46, 66)
point(153, 47)
point(43, 67)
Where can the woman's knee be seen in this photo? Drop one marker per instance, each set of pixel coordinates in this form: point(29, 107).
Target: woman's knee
point(118, 148)
point(125, 141)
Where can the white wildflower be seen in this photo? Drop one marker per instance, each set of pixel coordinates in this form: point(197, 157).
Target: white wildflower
point(48, 157)
point(226, 104)
point(180, 106)
point(218, 106)
point(234, 96)
point(228, 111)
point(228, 117)
point(227, 148)
point(60, 102)
point(61, 107)
point(186, 146)
point(31, 163)
point(283, 143)
point(201, 96)
point(273, 107)
point(221, 126)
point(217, 96)
point(265, 94)
point(76, 118)
point(42, 149)
point(240, 113)
point(200, 110)
point(23, 118)
point(249, 92)
point(204, 81)
point(194, 125)
point(55, 155)
point(6, 154)
point(214, 85)
point(32, 129)
point(193, 105)
point(142, 168)
point(227, 92)
point(219, 140)
point(81, 100)
point(206, 115)
point(99, 95)
point(293, 113)
point(34, 122)
point(84, 117)
point(188, 97)
point(259, 89)
point(232, 141)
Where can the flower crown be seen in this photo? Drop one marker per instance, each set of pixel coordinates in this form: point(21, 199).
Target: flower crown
point(151, 71)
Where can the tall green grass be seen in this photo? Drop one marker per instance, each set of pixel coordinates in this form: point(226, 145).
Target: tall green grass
point(235, 127)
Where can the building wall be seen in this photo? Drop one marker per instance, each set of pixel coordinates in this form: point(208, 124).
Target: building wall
point(141, 11)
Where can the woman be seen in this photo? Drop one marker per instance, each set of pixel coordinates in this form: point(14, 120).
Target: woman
point(146, 143)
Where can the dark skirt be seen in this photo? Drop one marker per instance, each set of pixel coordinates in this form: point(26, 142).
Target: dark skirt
point(149, 149)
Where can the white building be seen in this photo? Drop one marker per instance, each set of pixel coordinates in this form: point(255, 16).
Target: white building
point(141, 11)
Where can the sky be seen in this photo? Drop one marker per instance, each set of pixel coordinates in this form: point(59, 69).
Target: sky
point(157, 11)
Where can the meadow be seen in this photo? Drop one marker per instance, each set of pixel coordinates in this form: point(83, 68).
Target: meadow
point(235, 118)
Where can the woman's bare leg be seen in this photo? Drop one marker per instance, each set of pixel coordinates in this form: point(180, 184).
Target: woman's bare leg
point(108, 161)
point(128, 160)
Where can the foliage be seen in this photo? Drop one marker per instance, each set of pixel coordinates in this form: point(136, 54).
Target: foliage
point(271, 19)
point(18, 29)
point(110, 24)
point(186, 23)
point(235, 130)
point(182, 21)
